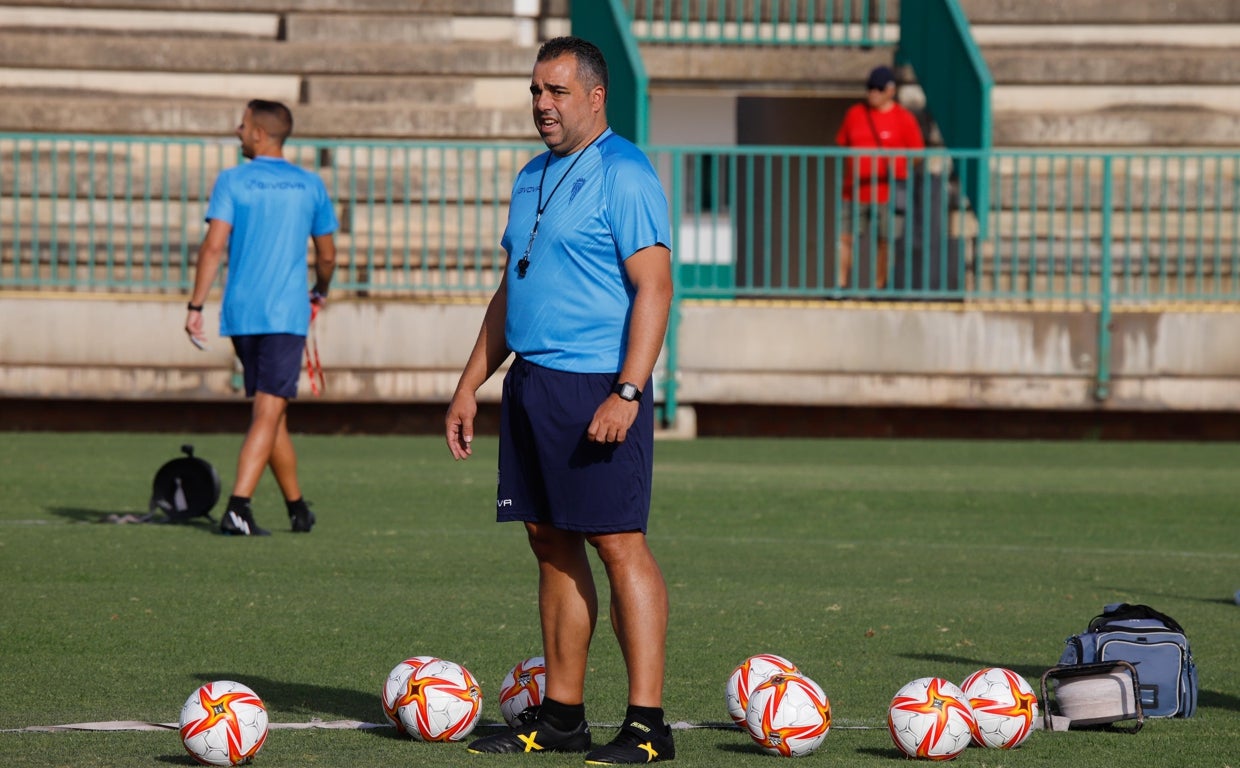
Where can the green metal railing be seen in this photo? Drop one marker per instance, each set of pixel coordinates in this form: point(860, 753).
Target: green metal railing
point(936, 41)
point(1091, 230)
point(126, 214)
point(1079, 227)
point(762, 22)
point(112, 213)
point(628, 101)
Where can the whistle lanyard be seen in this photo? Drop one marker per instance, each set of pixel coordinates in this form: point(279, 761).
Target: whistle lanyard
point(524, 263)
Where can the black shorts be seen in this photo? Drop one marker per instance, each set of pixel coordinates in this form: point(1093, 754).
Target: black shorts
point(549, 472)
point(271, 362)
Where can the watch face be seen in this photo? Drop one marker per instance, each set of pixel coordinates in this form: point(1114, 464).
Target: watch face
point(627, 391)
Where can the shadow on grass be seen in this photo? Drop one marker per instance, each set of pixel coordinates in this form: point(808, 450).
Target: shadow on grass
point(1030, 673)
point(123, 517)
point(293, 698)
point(1189, 598)
point(184, 759)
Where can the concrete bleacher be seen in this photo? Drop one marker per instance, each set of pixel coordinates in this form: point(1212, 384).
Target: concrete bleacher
point(371, 69)
point(1096, 73)
point(1144, 77)
point(458, 69)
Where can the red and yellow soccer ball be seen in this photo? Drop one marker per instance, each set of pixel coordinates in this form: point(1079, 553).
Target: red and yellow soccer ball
point(747, 676)
point(396, 692)
point(1003, 705)
point(522, 688)
point(223, 723)
point(930, 718)
point(441, 702)
point(788, 715)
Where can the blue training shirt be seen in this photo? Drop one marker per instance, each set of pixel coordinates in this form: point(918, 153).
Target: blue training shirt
point(571, 310)
point(273, 207)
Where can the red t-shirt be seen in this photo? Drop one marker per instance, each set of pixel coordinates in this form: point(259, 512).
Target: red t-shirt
point(897, 128)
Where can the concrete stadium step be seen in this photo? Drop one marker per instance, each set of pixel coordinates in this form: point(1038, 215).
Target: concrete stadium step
point(506, 92)
point(1139, 181)
point(434, 279)
point(373, 225)
point(80, 169)
point(807, 70)
point(441, 7)
point(1113, 65)
point(1175, 226)
point(1118, 127)
point(285, 88)
point(123, 19)
point(163, 116)
point(409, 29)
point(1106, 12)
point(1132, 257)
point(1109, 36)
point(30, 50)
point(168, 267)
point(1091, 98)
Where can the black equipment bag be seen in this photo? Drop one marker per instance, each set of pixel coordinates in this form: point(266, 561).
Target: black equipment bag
point(185, 488)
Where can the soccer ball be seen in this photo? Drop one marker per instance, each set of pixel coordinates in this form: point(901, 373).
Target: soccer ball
point(930, 717)
point(1004, 707)
point(223, 723)
point(522, 687)
point(396, 693)
point(788, 715)
point(747, 676)
point(444, 702)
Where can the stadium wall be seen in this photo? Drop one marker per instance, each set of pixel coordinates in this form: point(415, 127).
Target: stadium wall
point(827, 354)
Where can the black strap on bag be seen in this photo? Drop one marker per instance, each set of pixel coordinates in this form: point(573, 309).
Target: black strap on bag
point(1129, 611)
point(899, 187)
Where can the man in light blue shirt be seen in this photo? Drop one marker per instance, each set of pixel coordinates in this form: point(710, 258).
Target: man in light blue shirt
point(584, 305)
point(261, 214)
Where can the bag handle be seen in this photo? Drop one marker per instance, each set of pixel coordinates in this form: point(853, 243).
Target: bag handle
point(1123, 611)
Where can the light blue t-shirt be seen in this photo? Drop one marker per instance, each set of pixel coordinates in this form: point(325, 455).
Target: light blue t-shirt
point(571, 310)
point(274, 207)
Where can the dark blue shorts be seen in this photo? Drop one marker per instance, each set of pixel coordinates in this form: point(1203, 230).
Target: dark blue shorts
point(549, 472)
point(271, 362)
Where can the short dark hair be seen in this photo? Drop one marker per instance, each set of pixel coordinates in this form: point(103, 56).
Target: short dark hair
point(275, 118)
point(591, 66)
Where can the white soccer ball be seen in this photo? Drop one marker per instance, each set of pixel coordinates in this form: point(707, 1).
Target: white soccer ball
point(522, 688)
point(930, 718)
point(396, 693)
point(788, 715)
point(444, 702)
point(747, 676)
point(223, 723)
point(1003, 705)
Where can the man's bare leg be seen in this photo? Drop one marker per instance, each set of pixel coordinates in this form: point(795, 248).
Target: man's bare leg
point(639, 611)
point(567, 606)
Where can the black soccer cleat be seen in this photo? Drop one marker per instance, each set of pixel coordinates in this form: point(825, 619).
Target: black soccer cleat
point(241, 524)
point(635, 744)
point(300, 518)
point(535, 735)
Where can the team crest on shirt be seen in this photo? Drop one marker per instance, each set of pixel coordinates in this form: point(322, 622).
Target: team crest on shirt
point(577, 185)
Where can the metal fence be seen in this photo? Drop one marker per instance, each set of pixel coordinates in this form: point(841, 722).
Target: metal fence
point(123, 214)
point(764, 22)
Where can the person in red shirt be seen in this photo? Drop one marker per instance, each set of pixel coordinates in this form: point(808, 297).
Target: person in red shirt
point(880, 122)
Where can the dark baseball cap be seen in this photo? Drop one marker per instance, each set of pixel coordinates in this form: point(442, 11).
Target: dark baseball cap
point(880, 78)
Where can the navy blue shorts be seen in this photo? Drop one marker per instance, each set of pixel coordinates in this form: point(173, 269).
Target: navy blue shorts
point(549, 472)
point(271, 362)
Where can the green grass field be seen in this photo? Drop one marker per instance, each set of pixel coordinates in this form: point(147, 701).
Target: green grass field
point(868, 563)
